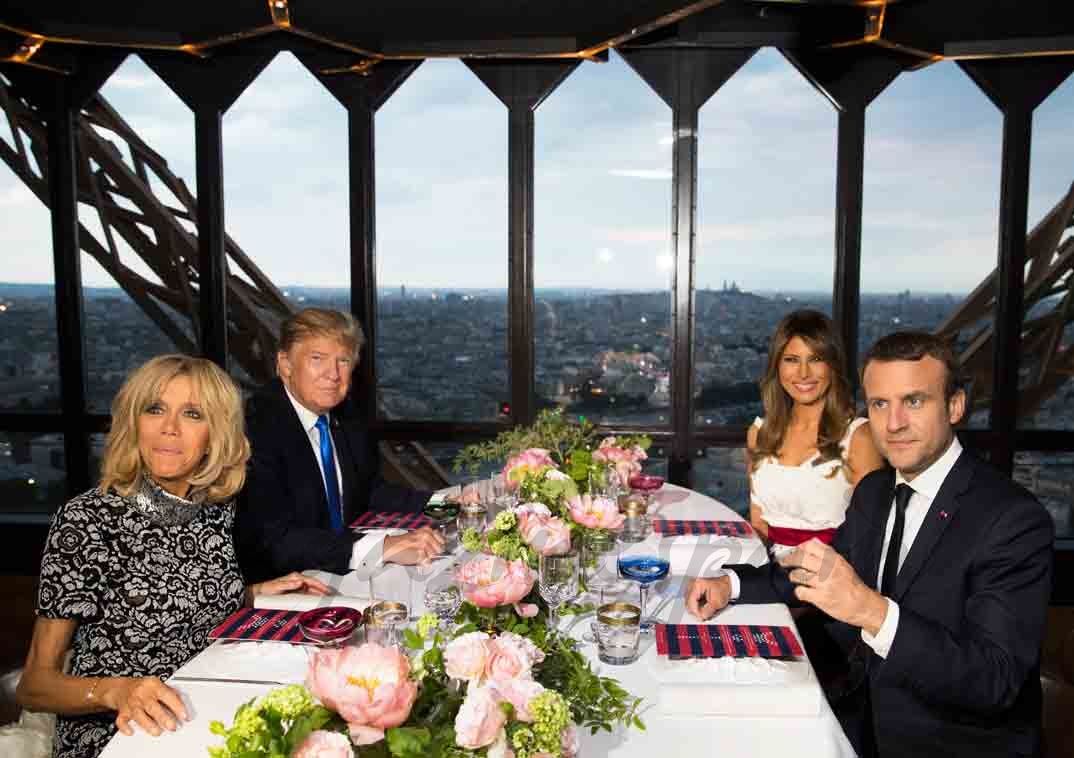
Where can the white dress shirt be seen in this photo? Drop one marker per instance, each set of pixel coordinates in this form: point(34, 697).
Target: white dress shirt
point(925, 485)
point(367, 552)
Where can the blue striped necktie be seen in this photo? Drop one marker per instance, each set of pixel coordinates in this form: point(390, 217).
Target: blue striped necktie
point(331, 483)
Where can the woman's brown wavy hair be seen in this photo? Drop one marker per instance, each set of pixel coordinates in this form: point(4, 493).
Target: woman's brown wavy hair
point(818, 332)
point(223, 470)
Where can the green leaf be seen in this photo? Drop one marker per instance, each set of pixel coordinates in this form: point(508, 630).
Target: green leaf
point(412, 639)
point(408, 741)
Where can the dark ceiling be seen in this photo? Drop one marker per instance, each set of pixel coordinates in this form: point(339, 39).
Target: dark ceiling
point(45, 33)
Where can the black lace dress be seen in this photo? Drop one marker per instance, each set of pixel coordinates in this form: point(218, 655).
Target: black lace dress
point(146, 577)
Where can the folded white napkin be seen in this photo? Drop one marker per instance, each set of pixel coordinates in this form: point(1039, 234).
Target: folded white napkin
point(271, 662)
point(301, 601)
point(735, 686)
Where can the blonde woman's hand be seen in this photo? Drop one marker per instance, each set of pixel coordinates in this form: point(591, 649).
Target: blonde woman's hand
point(293, 582)
point(146, 701)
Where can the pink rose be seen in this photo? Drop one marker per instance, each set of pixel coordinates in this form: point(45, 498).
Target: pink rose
point(595, 512)
point(322, 744)
point(569, 742)
point(519, 693)
point(368, 686)
point(511, 656)
point(488, 581)
point(529, 461)
point(480, 718)
point(627, 461)
point(542, 531)
point(466, 656)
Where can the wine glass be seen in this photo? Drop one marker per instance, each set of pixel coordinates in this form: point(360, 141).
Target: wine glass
point(646, 484)
point(604, 482)
point(444, 599)
point(558, 581)
point(645, 570)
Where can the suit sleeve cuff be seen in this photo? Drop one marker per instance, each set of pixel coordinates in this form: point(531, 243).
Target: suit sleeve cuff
point(367, 554)
point(885, 635)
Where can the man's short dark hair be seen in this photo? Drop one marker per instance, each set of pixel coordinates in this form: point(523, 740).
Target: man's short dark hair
point(913, 346)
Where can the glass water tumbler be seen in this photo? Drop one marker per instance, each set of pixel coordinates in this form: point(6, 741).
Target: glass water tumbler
point(618, 629)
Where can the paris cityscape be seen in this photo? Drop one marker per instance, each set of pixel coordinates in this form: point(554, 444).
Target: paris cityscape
point(442, 355)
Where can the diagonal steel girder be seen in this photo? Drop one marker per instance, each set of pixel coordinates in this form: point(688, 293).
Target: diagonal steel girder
point(118, 176)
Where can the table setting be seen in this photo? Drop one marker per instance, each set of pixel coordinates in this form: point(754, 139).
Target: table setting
point(553, 627)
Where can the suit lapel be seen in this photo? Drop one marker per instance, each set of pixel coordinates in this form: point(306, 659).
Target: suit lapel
point(875, 538)
point(302, 450)
point(947, 502)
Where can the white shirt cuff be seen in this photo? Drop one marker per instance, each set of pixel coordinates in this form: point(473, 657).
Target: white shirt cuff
point(367, 554)
point(736, 584)
point(885, 635)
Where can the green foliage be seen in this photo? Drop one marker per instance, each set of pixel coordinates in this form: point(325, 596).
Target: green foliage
point(596, 702)
point(273, 725)
point(551, 432)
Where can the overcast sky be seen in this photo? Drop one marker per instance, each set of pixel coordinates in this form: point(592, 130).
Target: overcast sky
point(603, 166)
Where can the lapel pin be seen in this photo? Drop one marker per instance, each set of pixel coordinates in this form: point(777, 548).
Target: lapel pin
point(943, 515)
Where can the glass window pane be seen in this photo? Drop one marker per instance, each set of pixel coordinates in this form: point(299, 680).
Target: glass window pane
point(286, 201)
point(931, 208)
point(1050, 476)
point(123, 240)
point(442, 247)
point(32, 473)
point(29, 368)
point(766, 210)
point(602, 262)
point(1046, 392)
point(720, 473)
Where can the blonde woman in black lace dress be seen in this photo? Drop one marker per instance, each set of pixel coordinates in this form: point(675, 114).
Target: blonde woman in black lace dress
point(137, 571)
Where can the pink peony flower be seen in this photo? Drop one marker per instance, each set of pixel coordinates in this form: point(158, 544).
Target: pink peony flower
point(542, 531)
point(519, 693)
point(595, 512)
point(511, 656)
point(526, 610)
point(466, 656)
point(322, 744)
point(368, 686)
point(480, 718)
point(488, 581)
point(529, 461)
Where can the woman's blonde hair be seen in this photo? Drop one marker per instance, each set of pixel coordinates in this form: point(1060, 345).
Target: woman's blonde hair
point(223, 470)
point(817, 331)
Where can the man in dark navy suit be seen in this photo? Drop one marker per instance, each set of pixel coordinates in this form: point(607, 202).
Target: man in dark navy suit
point(314, 468)
point(937, 582)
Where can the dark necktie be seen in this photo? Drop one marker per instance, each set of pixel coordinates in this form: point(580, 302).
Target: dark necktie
point(903, 493)
point(331, 483)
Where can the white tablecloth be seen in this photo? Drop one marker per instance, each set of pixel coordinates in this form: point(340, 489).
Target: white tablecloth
point(747, 702)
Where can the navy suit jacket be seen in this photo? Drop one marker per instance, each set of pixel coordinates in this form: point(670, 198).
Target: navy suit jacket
point(962, 675)
point(282, 521)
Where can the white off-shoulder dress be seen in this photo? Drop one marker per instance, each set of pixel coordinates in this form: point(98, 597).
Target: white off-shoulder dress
point(804, 501)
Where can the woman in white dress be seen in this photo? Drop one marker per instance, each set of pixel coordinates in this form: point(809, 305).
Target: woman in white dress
point(808, 452)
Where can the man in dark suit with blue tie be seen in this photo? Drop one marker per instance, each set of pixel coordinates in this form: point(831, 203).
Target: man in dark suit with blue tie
point(313, 467)
point(937, 582)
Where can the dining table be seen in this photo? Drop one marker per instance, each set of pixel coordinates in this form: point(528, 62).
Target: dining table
point(717, 706)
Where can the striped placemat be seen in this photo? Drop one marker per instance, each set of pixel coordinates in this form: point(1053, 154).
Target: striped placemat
point(262, 624)
point(678, 527)
point(720, 640)
point(391, 520)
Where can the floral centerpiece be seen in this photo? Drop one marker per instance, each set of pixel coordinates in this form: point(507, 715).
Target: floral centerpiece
point(552, 468)
point(503, 684)
point(516, 691)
